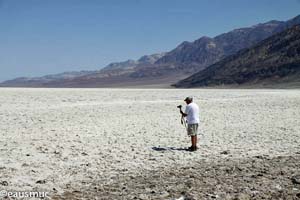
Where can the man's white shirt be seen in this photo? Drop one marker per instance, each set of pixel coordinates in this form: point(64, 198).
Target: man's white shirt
point(192, 111)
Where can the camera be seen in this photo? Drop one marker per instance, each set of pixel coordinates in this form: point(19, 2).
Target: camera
point(180, 106)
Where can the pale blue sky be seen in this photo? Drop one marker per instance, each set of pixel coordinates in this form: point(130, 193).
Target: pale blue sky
point(40, 37)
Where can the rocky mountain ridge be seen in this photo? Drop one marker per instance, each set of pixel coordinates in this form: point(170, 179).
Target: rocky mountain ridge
point(274, 61)
point(166, 68)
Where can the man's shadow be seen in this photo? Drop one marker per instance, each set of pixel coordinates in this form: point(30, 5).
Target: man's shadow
point(169, 149)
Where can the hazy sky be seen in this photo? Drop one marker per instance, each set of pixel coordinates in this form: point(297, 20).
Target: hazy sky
point(41, 37)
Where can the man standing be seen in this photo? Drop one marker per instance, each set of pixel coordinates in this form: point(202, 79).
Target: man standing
point(192, 116)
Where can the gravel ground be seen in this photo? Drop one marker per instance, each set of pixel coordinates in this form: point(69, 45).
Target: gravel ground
point(129, 143)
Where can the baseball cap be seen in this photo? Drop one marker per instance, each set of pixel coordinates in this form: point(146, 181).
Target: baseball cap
point(189, 98)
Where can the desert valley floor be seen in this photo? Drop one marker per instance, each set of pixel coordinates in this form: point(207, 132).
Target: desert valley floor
point(129, 143)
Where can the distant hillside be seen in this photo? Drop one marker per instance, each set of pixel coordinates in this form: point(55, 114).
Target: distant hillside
point(129, 66)
point(274, 61)
point(75, 79)
point(191, 57)
point(34, 81)
point(166, 68)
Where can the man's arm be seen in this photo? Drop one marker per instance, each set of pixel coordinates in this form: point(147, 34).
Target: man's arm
point(182, 113)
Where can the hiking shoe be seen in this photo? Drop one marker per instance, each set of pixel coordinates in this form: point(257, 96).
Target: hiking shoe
point(191, 148)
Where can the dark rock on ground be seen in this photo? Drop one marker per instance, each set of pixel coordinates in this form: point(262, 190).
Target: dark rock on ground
point(4, 183)
point(296, 179)
point(41, 181)
point(225, 152)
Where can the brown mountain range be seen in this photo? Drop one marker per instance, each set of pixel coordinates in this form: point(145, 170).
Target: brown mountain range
point(274, 62)
point(167, 68)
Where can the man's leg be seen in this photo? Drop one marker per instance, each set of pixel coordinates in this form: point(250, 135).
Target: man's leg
point(194, 142)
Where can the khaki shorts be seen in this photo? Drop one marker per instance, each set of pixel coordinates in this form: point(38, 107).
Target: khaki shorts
point(192, 129)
